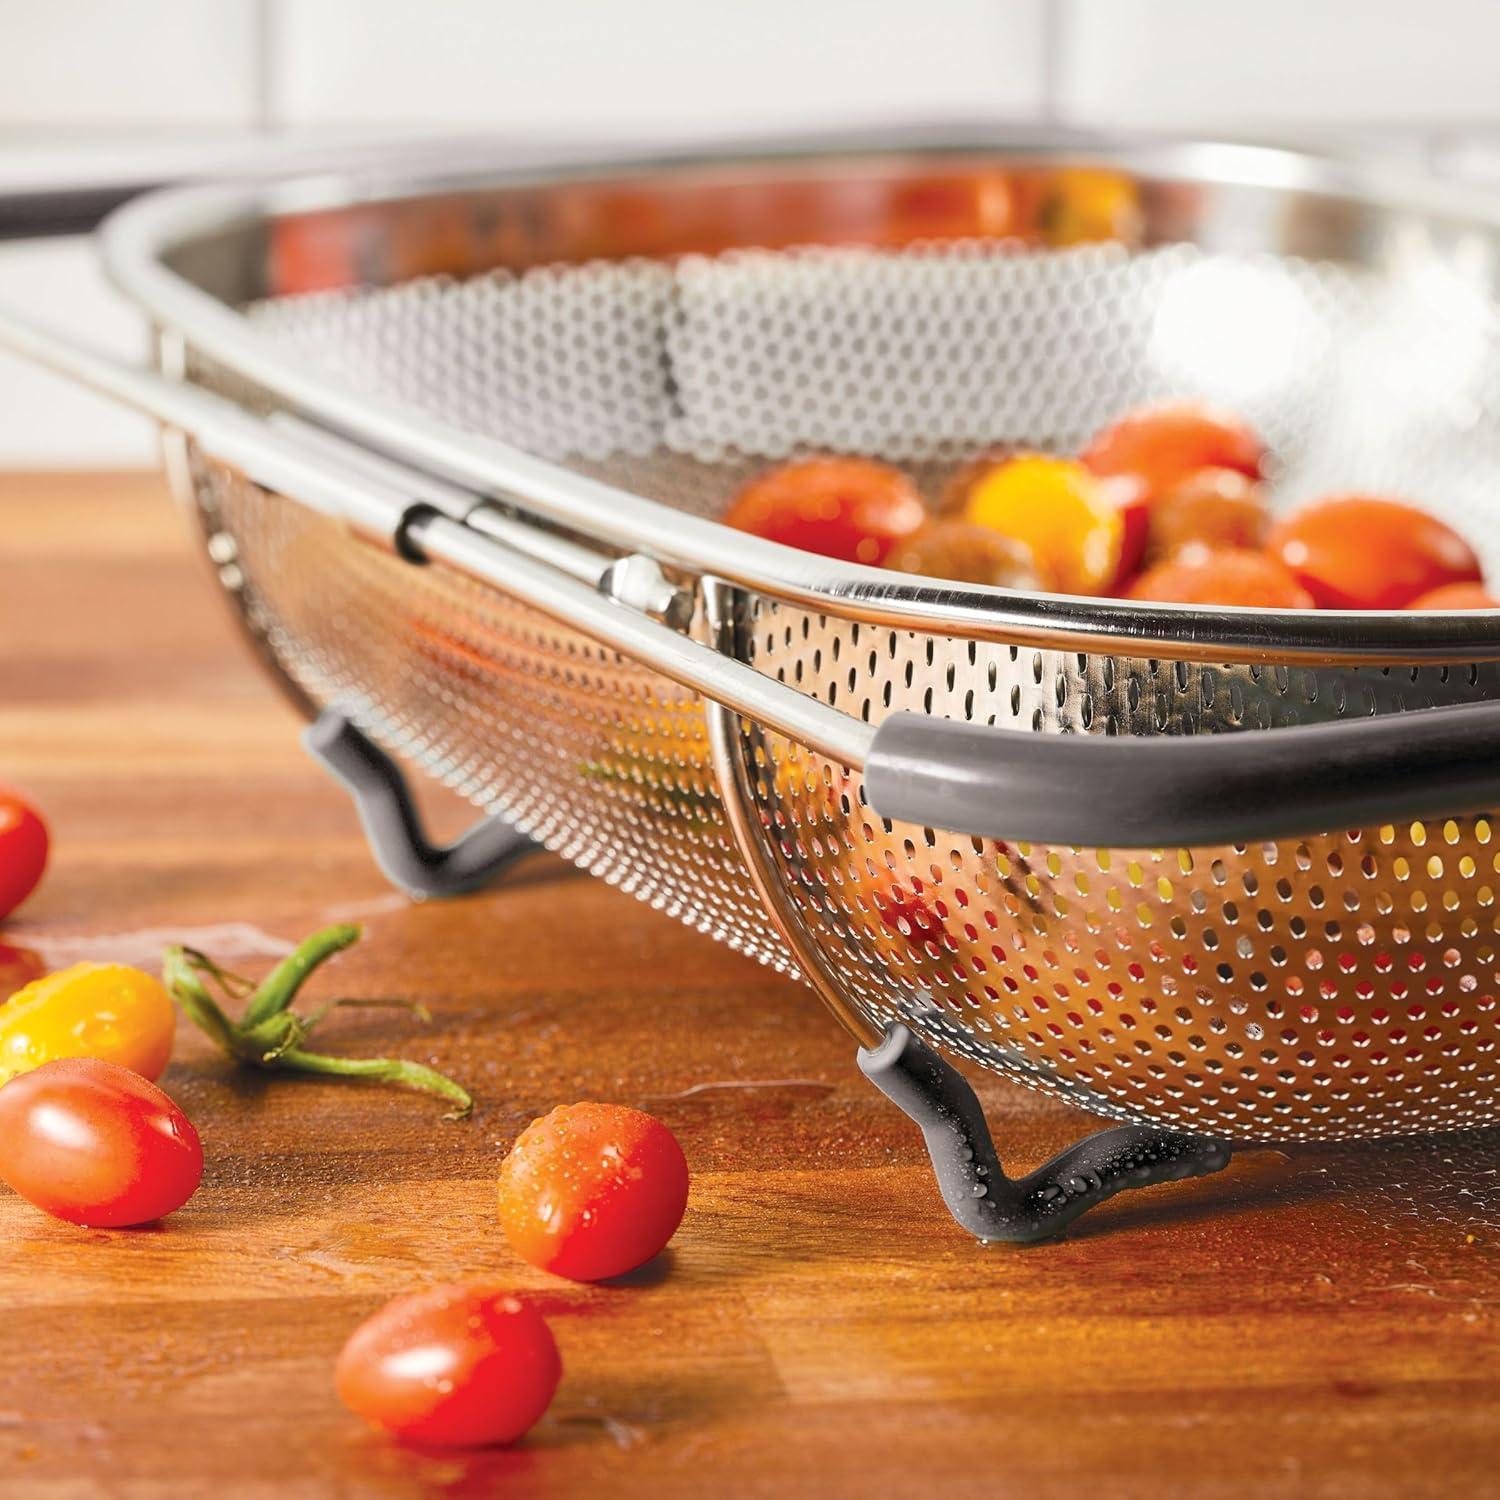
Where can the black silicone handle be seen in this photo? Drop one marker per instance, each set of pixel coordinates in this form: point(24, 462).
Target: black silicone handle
point(979, 1195)
point(1193, 789)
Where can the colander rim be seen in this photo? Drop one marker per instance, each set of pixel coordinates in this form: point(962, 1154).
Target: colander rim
point(136, 240)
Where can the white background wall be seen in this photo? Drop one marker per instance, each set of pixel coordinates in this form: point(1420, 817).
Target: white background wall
point(141, 80)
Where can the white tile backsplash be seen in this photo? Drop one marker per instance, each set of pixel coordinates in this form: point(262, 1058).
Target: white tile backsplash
point(48, 422)
point(704, 67)
point(1275, 65)
point(77, 63)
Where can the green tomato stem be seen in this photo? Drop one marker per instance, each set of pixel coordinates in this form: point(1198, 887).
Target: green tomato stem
point(279, 988)
point(270, 1035)
point(180, 975)
point(410, 1075)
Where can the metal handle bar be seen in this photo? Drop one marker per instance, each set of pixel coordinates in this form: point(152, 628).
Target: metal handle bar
point(967, 778)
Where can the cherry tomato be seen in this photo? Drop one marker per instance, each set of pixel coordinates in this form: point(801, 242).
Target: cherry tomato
point(95, 1144)
point(18, 967)
point(592, 1190)
point(453, 1366)
point(107, 1011)
point(849, 508)
point(965, 553)
point(1221, 575)
point(1060, 511)
point(23, 851)
point(1217, 507)
point(1362, 552)
point(909, 917)
point(1164, 444)
point(1133, 501)
point(1079, 205)
point(1456, 596)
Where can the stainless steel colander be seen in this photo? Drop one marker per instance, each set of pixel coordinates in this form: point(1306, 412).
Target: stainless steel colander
point(456, 445)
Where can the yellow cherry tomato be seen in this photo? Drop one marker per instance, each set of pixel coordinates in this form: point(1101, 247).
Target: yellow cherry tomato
point(108, 1011)
point(1063, 513)
point(1082, 205)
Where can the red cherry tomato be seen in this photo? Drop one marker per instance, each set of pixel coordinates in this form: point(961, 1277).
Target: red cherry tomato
point(909, 917)
point(95, 1144)
point(23, 851)
point(1133, 500)
point(849, 508)
point(1221, 575)
point(453, 1366)
point(592, 1190)
point(1162, 445)
point(1456, 596)
point(1361, 552)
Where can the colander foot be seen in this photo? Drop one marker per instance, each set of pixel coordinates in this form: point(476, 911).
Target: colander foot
point(393, 826)
point(974, 1186)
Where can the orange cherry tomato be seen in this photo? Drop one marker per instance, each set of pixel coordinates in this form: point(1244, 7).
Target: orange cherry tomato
point(1217, 507)
point(23, 850)
point(1456, 596)
point(1363, 552)
point(965, 553)
point(1221, 575)
point(592, 1190)
point(96, 1144)
point(452, 1366)
point(1164, 444)
point(1061, 512)
point(849, 508)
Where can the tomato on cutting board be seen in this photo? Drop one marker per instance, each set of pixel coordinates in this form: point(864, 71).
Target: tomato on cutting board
point(592, 1190)
point(1366, 552)
point(452, 1366)
point(853, 509)
point(95, 1144)
point(1221, 575)
point(108, 1011)
point(1163, 444)
point(23, 850)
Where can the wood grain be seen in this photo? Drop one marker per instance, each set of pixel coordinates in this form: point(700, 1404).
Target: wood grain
point(1316, 1324)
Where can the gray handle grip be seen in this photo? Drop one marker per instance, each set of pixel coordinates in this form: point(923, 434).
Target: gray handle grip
point(1187, 790)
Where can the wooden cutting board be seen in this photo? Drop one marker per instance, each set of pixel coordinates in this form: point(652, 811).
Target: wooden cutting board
point(1317, 1324)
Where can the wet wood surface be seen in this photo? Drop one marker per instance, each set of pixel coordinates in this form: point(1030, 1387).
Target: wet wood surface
point(1317, 1324)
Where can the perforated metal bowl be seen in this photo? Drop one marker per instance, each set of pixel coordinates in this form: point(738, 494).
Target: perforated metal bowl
point(591, 363)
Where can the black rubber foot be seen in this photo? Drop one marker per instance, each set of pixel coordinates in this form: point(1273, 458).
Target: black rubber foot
point(392, 825)
point(974, 1186)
